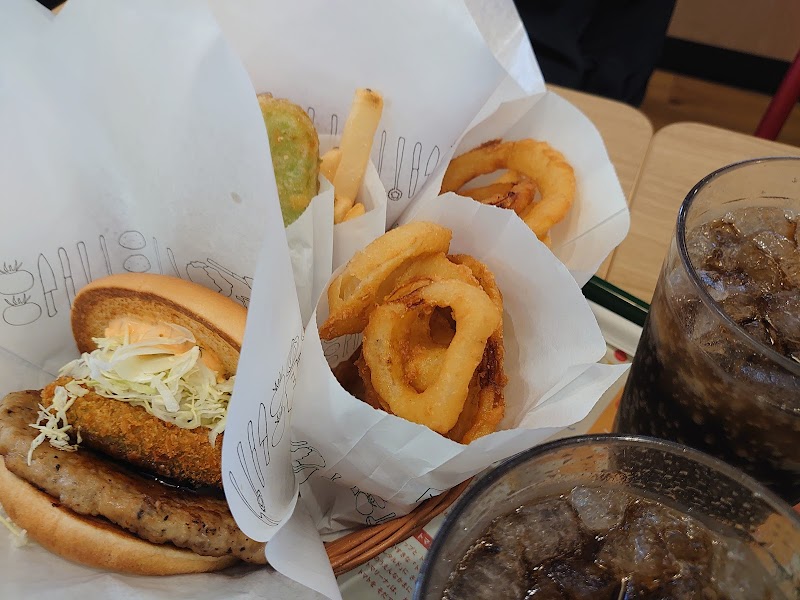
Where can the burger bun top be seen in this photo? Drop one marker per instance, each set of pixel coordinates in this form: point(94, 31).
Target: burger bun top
point(216, 321)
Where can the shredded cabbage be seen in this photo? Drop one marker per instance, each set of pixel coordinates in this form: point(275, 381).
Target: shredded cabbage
point(52, 424)
point(166, 376)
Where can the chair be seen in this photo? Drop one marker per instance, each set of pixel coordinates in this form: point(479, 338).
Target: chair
point(782, 103)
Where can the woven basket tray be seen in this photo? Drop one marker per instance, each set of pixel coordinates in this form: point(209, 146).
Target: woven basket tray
point(354, 549)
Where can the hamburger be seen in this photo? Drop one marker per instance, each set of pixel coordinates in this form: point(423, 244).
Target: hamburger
point(117, 463)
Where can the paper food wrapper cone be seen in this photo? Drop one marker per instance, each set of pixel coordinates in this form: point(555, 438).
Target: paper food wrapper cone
point(133, 142)
point(361, 466)
point(104, 182)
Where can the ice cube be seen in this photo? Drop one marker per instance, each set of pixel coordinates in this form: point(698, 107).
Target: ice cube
point(773, 244)
point(703, 322)
point(599, 509)
point(784, 251)
point(759, 331)
point(783, 313)
point(714, 284)
point(638, 546)
point(741, 307)
point(751, 220)
point(763, 271)
point(579, 580)
point(737, 573)
point(700, 247)
point(689, 542)
point(715, 342)
point(790, 265)
point(488, 572)
point(545, 588)
point(544, 531)
point(707, 243)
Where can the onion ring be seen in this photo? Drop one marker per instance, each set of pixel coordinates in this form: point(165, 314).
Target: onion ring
point(502, 184)
point(369, 276)
point(370, 396)
point(440, 405)
point(485, 406)
point(485, 194)
point(434, 267)
point(537, 160)
point(483, 276)
point(509, 177)
point(514, 196)
point(510, 190)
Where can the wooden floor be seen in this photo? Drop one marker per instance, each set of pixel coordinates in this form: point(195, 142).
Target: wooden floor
point(671, 98)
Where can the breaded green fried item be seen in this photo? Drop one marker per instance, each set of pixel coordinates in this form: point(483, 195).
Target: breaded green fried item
point(294, 145)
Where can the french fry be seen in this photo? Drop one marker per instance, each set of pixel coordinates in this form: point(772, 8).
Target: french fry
point(329, 163)
point(340, 210)
point(356, 145)
point(356, 211)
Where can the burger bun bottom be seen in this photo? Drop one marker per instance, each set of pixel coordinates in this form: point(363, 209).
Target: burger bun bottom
point(92, 541)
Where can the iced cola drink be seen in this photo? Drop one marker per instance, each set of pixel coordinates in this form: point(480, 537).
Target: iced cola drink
point(718, 363)
point(600, 543)
point(608, 517)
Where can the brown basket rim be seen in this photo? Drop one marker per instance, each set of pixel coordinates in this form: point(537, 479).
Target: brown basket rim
point(356, 548)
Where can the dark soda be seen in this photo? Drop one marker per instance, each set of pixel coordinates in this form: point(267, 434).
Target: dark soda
point(604, 543)
point(720, 370)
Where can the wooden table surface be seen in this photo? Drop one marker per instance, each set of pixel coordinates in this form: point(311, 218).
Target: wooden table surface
point(679, 156)
point(625, 131)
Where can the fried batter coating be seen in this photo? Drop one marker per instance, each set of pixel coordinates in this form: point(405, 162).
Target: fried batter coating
point(128, 433)
point(423, 354)
point(294, 145)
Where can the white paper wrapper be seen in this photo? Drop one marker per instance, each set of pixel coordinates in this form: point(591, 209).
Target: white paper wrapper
point(105, 181)
point(132, 141)
point(310, 240)
point(372, 466)
point(349, 237)
point(317, 246)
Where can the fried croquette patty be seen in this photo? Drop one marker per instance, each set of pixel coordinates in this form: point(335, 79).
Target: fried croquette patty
point(132, 435)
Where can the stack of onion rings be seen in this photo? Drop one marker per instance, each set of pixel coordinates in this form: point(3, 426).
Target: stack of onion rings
point(432, 326)
point(536, 166)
